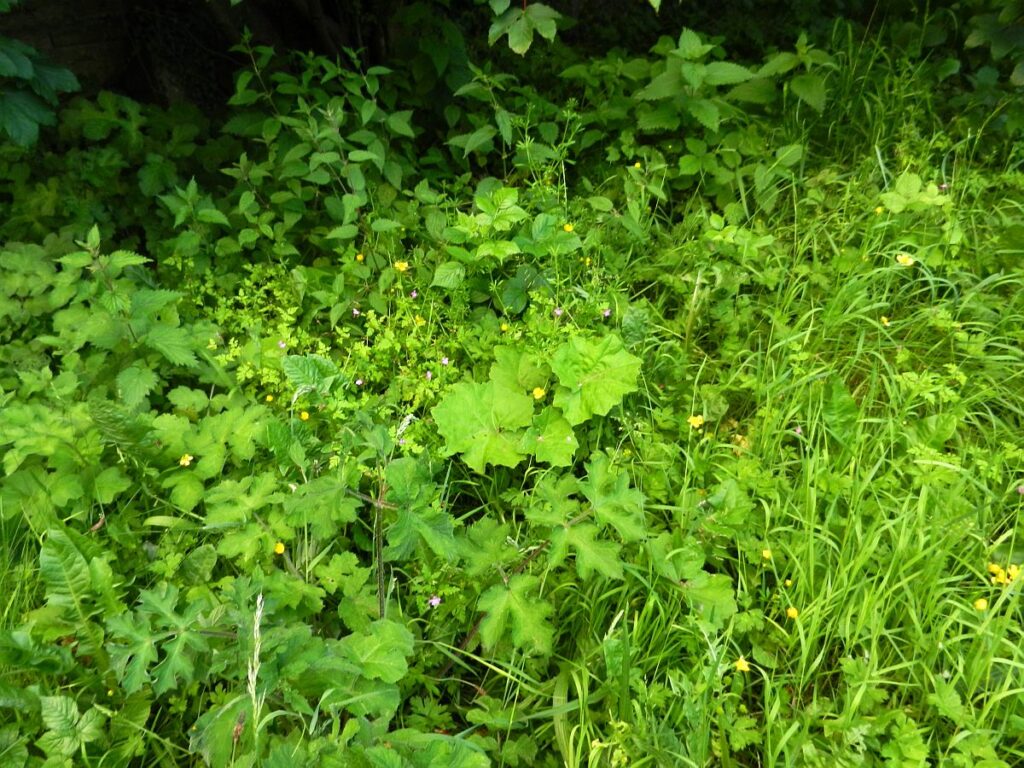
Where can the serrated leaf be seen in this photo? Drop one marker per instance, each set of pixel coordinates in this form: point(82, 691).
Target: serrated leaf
point(712, 597)
point(65, 574)
point(109, 484)
point(593, 376)
point(516, 610)
point(667, 85)
point(21, 114)
point(725, 73)
point(449, 275)
point(310, 373)
point(613, 501)
point(212, 216)
point(483, 423)
point(705, 112)
point(173, 343)
point(134, 383)
point(592, 554)
point(551, 439)
point(947, 701)
point(381, 652)
point(132, 650)
point(810, 89)
point(433, 527)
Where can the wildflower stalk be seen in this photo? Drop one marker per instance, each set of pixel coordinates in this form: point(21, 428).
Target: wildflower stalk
point(255, 698)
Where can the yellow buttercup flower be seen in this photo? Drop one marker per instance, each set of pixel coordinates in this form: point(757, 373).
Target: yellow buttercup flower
point(696, 421)
point(186, 459)
point(279, 548)
point(504, 327)
point(567, 227)
point(878, 211)
point(741, 665)
point(402, 266)
point(360, 257)
point(792, 612)
point(884, 321)
point(304, 415)
point(766, 553)
point(637, 165)
point(980, 604)
point(538, 393)
point(905, 259)
point(788, 582)
point(270, 398)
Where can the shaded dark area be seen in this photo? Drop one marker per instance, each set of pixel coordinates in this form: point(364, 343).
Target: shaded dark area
point(179, 50)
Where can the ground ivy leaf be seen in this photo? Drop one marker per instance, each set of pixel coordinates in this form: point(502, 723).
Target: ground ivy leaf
point(613, 501)
point(551, 439)
point(518, 605)
point(594, 376)
point(483, 422)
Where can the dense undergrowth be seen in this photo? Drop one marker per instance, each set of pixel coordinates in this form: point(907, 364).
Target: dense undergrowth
point(416, 417)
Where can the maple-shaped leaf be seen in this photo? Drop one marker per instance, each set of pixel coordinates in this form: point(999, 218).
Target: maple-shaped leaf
point(516, 609)
point(613, 501)
point(592, 554)
point(593, 376)
point(486, 548)
point(550, 438)
point(433, 526)
point(484, 423)
point(132, 649)
point(553, 501)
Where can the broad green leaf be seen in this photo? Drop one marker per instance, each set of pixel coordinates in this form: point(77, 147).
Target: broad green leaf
point(483, 422)
point(449, 275)
point(434, 527)
point(725, 73)
point(551, 439)
point(310, 373)
point(516, 610)
point(690, 46)
point(134, 383)
point(705, 112)
point(592, 554)
point(810, 89)
point(109, 484)
point(323, 505)
point(21, 114)
point(711, 596)
point(841, 413)
point(132, 649)
point(594, 376)
point(399, 123)
point(613, 501)
point(517, 371)
point(65, 574)
point(381, 652)
point(173, 343)
point(947, 701)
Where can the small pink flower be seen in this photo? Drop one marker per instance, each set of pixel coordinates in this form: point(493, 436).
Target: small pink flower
point(434, 601)
point(359, 382)
point(430, 375)
point(281, 344)
point(413, 295)
point(558, 311)
point(798, 430)
point(401, 441)
point(355, 312)
point(444, 361)
point(607, 312)
point(1020, 490)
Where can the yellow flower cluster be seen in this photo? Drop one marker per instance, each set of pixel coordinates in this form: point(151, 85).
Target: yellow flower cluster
point(402, 266)
point(696, 422)
point(1004, 576)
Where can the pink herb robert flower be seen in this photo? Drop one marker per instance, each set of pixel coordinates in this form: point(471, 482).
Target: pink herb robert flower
point(434, 601)
point(558, 311)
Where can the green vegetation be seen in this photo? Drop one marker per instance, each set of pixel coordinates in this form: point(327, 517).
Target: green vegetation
point(654, 410)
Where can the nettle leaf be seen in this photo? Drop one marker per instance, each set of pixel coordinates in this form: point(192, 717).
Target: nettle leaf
point(810, 89)
point(516, 608)
point(484, 423)
point(173, 343)
point(613, 501)
point(310, 373)
point(134, 383)
point(594, 376)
